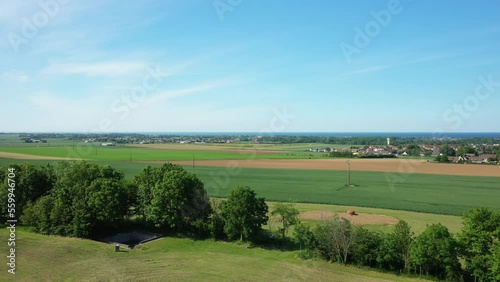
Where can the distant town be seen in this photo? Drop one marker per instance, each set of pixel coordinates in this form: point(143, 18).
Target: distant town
point(456, 150)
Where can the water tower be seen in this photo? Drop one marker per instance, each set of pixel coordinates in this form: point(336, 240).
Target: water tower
point(388, 141)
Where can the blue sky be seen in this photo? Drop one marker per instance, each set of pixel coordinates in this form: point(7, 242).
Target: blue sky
point(232, 66)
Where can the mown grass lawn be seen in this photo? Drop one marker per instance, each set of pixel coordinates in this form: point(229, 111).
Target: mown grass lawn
point(418, 221)
point(51, 258)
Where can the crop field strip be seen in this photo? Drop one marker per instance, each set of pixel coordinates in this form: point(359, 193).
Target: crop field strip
point(140, 154)
point(440, 194)
point(379, 183)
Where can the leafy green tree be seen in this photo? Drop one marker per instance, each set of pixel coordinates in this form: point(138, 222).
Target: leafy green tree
point(435, 252)
point(446, 150)
point(38, 215)
point(31, 182)
point(495, 262)
point(287, 215)
point(403, 237)
point(169, 196)
point(145, 181)
point(243, 213)
point(86, 198)
point(366, 247)
point(304, 237)
point(335, 238)
point(395, 249)
point(413, 150)
point(466, 150)
point(480, 232)
point(389, 254)
point(216, 225)
point(442, 159)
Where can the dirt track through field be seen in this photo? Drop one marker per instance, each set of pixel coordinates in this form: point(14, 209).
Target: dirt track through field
point(358, 219)
point(380, 165)
point(377, 165)
point(31, 157)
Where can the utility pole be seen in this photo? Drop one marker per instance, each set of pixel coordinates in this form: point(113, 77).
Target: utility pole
point(349, 173)
point(193, 161)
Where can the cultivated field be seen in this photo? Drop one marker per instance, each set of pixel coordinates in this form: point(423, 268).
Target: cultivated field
point(133, 153)
point(384, 191)
point(380, 165)
point(280, 175)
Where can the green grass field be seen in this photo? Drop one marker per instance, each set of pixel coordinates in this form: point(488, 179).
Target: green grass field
point(439, 194)
point(418, 221)
point(92, 152)
point(8, 140)
point(50, 258)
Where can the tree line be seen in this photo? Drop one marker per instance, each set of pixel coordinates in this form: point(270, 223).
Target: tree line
point(434, 253)
point(82, 199)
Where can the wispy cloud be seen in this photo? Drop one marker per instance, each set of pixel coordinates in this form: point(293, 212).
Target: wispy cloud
point(410, 62)
point(11, 12)
point(369, 69)
point(167, 95)
point(15, 75)
point(116, 68)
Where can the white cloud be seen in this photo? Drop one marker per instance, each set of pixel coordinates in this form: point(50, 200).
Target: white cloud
point(369, 69)
point(15, 75)
point(181, 92)
point(411, 62)
point(12, 11)
point(116, 68)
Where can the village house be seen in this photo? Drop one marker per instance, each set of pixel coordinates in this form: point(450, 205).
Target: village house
point(471, 158)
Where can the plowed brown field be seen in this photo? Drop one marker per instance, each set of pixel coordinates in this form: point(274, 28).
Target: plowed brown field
point(381, 165)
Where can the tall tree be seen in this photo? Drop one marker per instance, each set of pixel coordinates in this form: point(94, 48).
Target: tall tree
point(335, 238)
point(304, 237)
point(447, 151)
point(243, 213)
point(403, 237)
point(495, 262)
point(481, 229)
point(366, 246)
point(169, 196)
point(31, 182)
point(435, 252)
point(86, 197)
point(466, 150)
point(287, 215)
